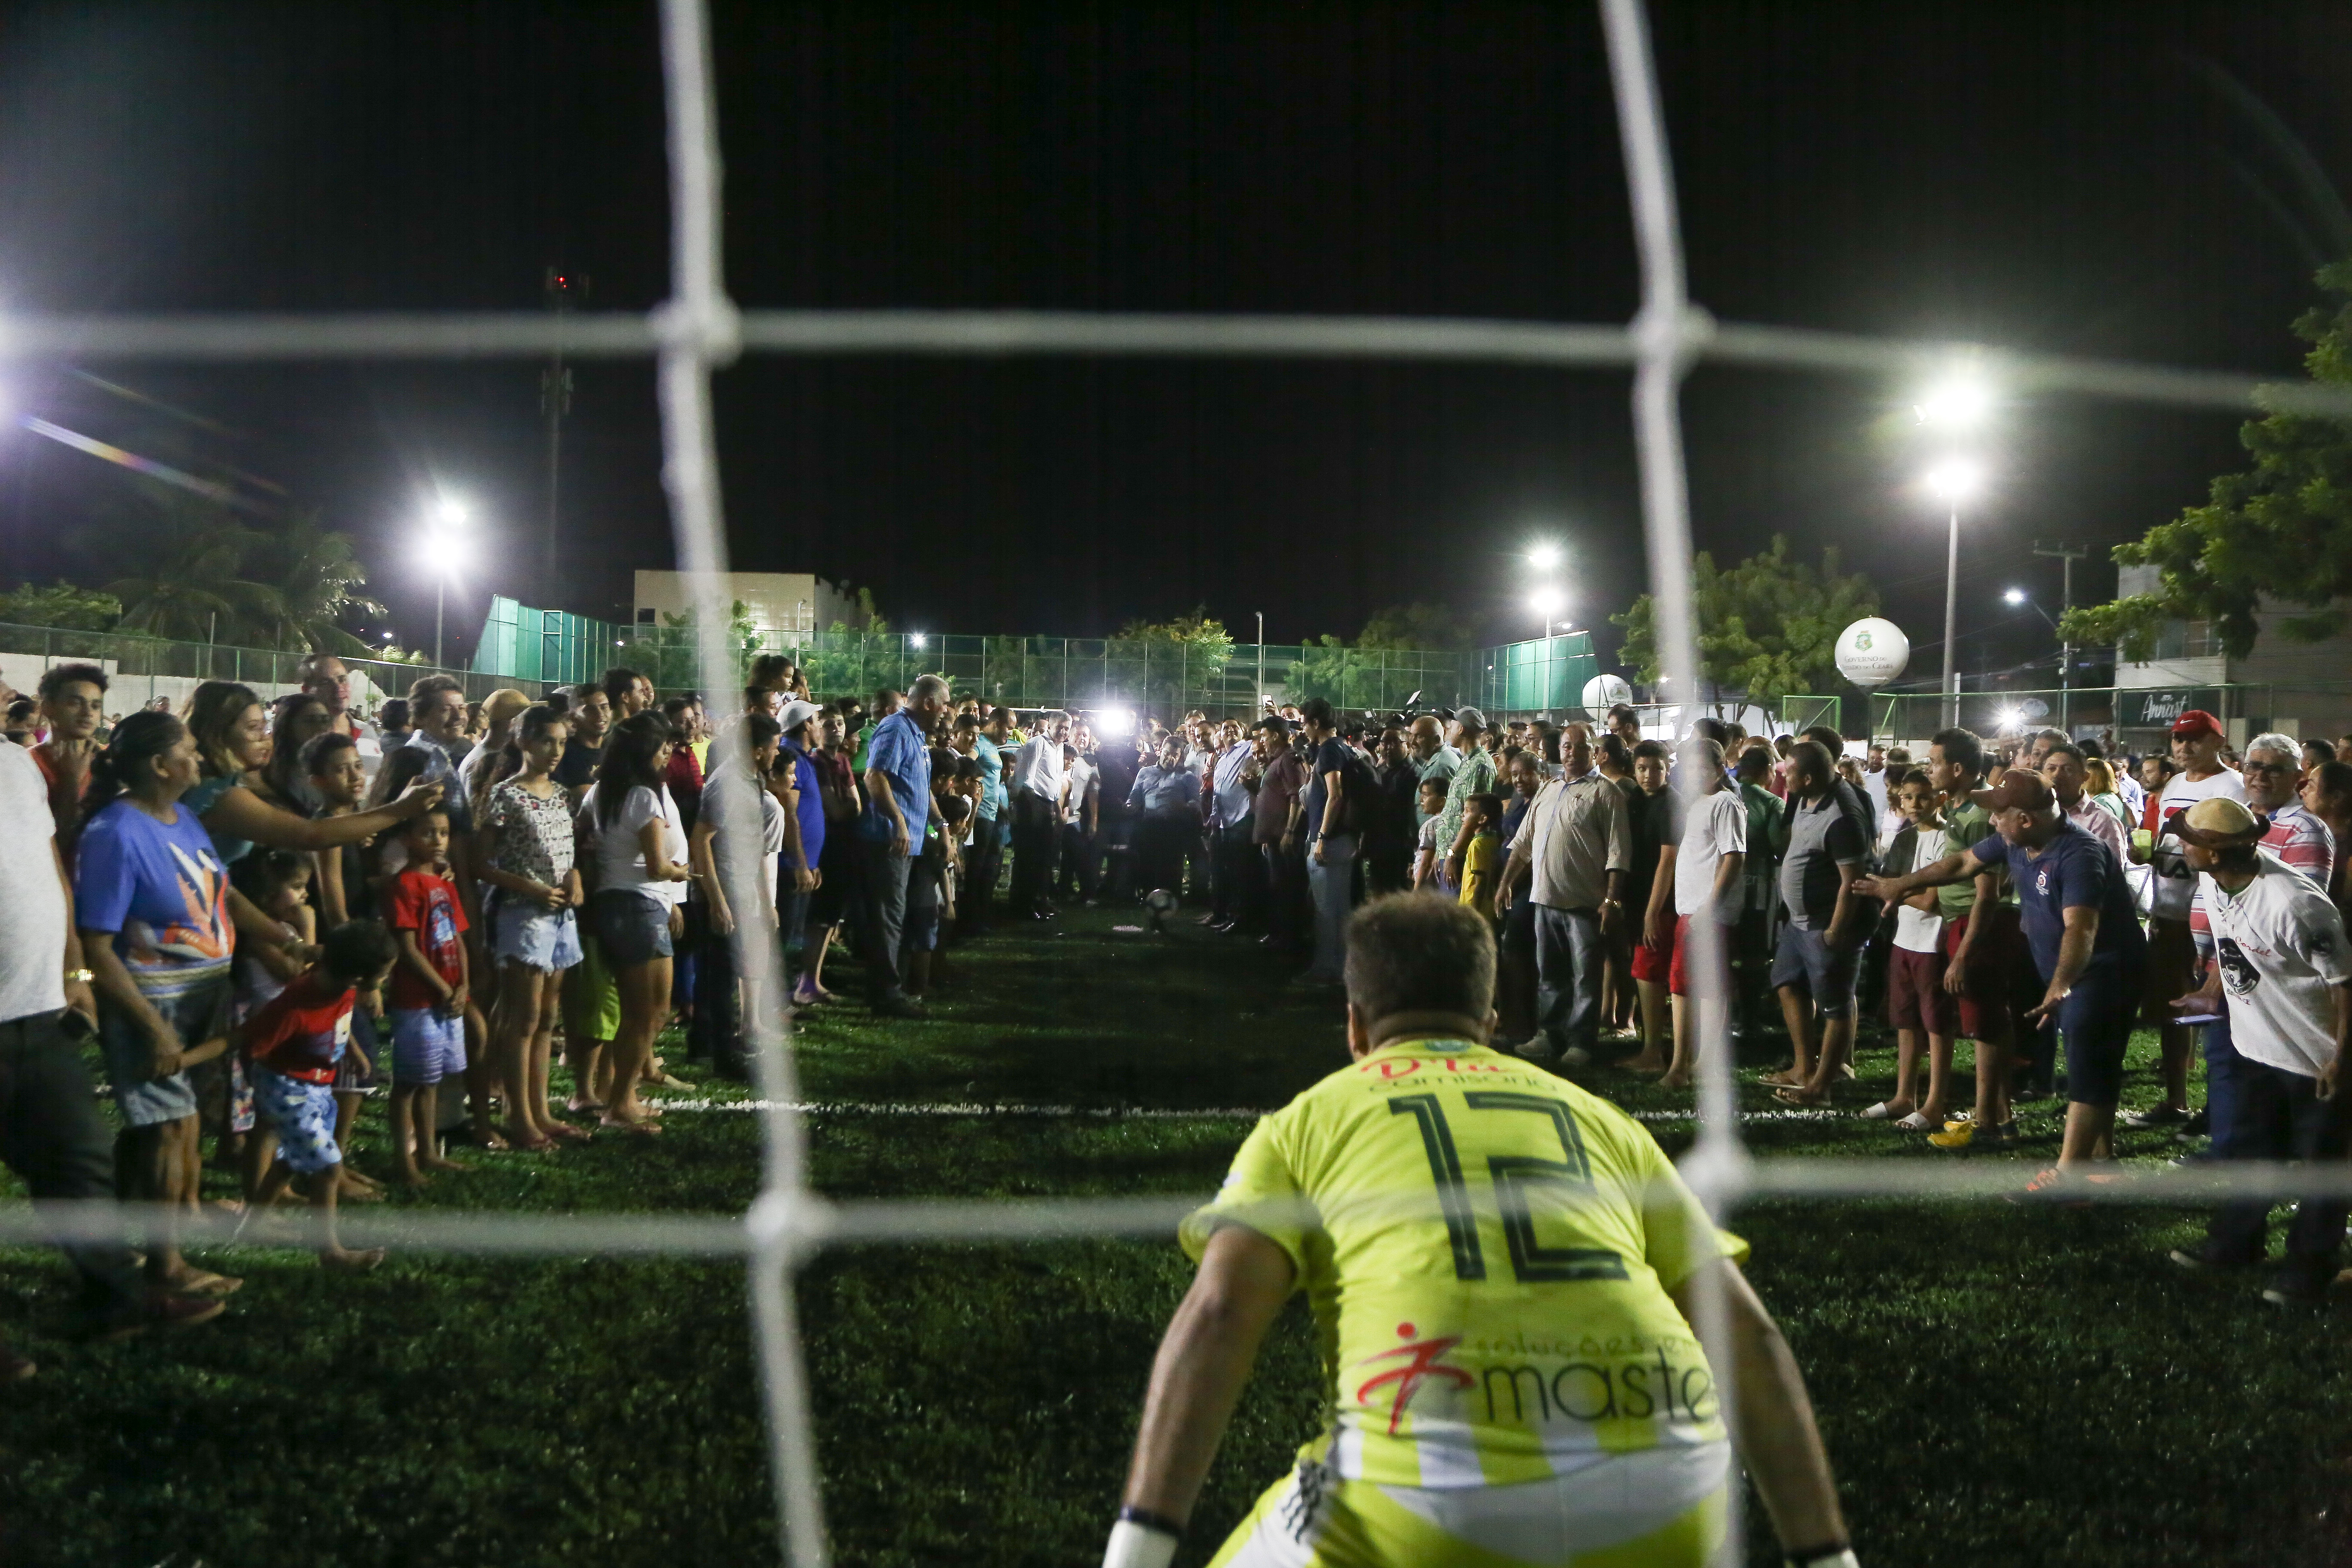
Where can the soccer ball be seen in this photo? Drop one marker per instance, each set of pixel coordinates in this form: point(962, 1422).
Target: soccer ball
point(1161, 903)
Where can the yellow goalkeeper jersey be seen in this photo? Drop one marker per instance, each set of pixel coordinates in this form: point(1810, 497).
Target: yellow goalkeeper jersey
point(1487, 1249)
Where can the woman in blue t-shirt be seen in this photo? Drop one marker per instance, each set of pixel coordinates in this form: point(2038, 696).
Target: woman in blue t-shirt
point(150, 897)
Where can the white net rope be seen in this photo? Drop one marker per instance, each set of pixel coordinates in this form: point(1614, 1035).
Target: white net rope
point(699, 328)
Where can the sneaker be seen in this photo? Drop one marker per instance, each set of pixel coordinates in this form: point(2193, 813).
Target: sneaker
point(1957, 1136)
point(2155, 1116)
point(2297, 1288)
point(2204, 1259)
point(1535, 1048)
point(1575, 1057)
point(2198, 1125)
point(2002, 1137)
point(1959, 1118)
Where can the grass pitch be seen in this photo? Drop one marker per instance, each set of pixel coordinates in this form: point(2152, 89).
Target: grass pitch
point(1996, 1384)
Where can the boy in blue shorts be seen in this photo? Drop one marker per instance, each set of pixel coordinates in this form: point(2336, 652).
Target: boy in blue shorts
point(428, 1000)
point(296, 1043)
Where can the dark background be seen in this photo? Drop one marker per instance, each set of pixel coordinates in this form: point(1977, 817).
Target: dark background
point(2056, 177)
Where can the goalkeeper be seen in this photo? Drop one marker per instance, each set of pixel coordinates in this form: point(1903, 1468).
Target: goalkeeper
point(1502, 1271)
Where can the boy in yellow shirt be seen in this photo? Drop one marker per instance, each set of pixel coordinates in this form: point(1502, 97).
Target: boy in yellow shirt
point(1482, 861)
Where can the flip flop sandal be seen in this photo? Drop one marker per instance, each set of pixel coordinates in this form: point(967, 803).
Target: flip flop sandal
point(1915, 1122)
point(203, 1282)
point(1798, 1096)
point(635, 1129)
point(1878, 1112)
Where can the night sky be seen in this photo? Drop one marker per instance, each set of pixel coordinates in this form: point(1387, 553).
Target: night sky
point(2049, 177)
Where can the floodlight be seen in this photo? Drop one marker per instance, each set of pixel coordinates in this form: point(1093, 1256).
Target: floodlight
point(1955, 480)
point(1958, 402)
point(2014, 596)
point(450, 511)
point(1114, 721)
point(1543, 557)
point(1547, 602)
point(915, 640)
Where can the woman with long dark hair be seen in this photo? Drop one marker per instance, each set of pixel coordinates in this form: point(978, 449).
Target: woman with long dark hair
point(295, 720)
point(151, 899)
point(526, 853)
point(231, 732)
point(638, 861)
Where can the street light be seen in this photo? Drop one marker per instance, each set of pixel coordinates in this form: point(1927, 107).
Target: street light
point(1952, 481)
point(915, 639)
point(1543, 557)
point(446, 550)
point(2014, 596)
point(1961, 401)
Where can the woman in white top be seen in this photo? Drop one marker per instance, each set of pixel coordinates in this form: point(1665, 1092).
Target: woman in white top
point(638, 862)
point(742, 760)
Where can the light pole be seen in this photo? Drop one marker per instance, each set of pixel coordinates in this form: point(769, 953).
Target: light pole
point(1546, 601)
point(1958, 404)
point(1261, 656)
point(1952, 481)
point(446, 549)
point(2069, 554)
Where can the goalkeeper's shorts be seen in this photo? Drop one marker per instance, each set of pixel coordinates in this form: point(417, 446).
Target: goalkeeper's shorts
point(1659, 1507)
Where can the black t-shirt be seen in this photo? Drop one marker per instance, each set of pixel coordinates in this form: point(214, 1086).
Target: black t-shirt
point(1330, 757)
point(1118, 769)
point(578, 765)
point(1657, 821)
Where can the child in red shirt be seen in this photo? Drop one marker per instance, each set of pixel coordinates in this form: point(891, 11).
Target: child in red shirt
point(294, 1043)
point(428, 996)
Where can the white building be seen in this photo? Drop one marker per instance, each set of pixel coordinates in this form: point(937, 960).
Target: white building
point(2302, 688)
point(788, 601)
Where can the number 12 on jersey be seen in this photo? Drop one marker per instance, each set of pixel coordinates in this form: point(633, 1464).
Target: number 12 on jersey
point(1517, 1178)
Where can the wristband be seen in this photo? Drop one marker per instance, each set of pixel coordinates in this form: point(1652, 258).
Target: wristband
point(1139, 1545)
point(1824, 1557)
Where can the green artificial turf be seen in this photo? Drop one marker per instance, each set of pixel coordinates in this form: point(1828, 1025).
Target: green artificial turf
point(1996, 1384)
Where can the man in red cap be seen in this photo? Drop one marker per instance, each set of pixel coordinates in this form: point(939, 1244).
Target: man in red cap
point(2196, 738)
point(2085, 935)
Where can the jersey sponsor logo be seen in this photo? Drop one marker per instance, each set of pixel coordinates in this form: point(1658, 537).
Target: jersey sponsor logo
point(1423, 1364)
point(1405, 1066)
point(1630, 1389)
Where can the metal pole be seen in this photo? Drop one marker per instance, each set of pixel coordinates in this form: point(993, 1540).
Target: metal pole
point(1951, 622)
point(1260, 656)
point(440, 599)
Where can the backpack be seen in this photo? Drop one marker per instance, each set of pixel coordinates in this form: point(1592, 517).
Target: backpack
point(1358, 795)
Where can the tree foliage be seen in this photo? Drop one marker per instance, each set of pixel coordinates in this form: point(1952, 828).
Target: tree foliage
point(1767, 626)
point(316, 579)
point(62, 605)
point(2280, 530)
point(1416, 624)
point(1203, 634)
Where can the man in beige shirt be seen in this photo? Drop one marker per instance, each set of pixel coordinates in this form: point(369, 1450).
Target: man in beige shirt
point(1571, 857)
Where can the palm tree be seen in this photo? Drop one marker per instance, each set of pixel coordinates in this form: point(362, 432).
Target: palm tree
point(195, 593)
point(319, 584)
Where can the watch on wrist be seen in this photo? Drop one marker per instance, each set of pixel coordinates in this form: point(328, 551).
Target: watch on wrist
point(80, 976)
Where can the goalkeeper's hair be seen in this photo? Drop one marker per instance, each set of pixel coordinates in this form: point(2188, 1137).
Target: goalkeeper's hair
point(1413, 953)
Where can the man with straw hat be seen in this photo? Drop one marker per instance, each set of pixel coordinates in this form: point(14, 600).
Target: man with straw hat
point(2282, 968)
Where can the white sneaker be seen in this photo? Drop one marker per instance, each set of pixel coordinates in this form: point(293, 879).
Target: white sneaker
point(1534, 1048)
point(1575, 1057)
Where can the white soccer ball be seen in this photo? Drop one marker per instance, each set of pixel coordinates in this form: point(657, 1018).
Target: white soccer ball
point(1160, 902)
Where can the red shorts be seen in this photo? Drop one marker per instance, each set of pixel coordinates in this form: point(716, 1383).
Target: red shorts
point(1678, 972)
point(2001, 981)
point(1915, 998)
point(1656, 964)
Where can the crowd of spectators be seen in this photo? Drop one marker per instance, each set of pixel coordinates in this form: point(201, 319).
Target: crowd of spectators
point(261, 911)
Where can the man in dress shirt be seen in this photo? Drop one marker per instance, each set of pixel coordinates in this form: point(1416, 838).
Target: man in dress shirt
point(1039, 779)
point(1572, 857)
point(1233, 858)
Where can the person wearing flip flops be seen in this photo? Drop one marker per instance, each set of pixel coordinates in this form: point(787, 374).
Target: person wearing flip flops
point(1918, 1007)
point(2087, 946)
